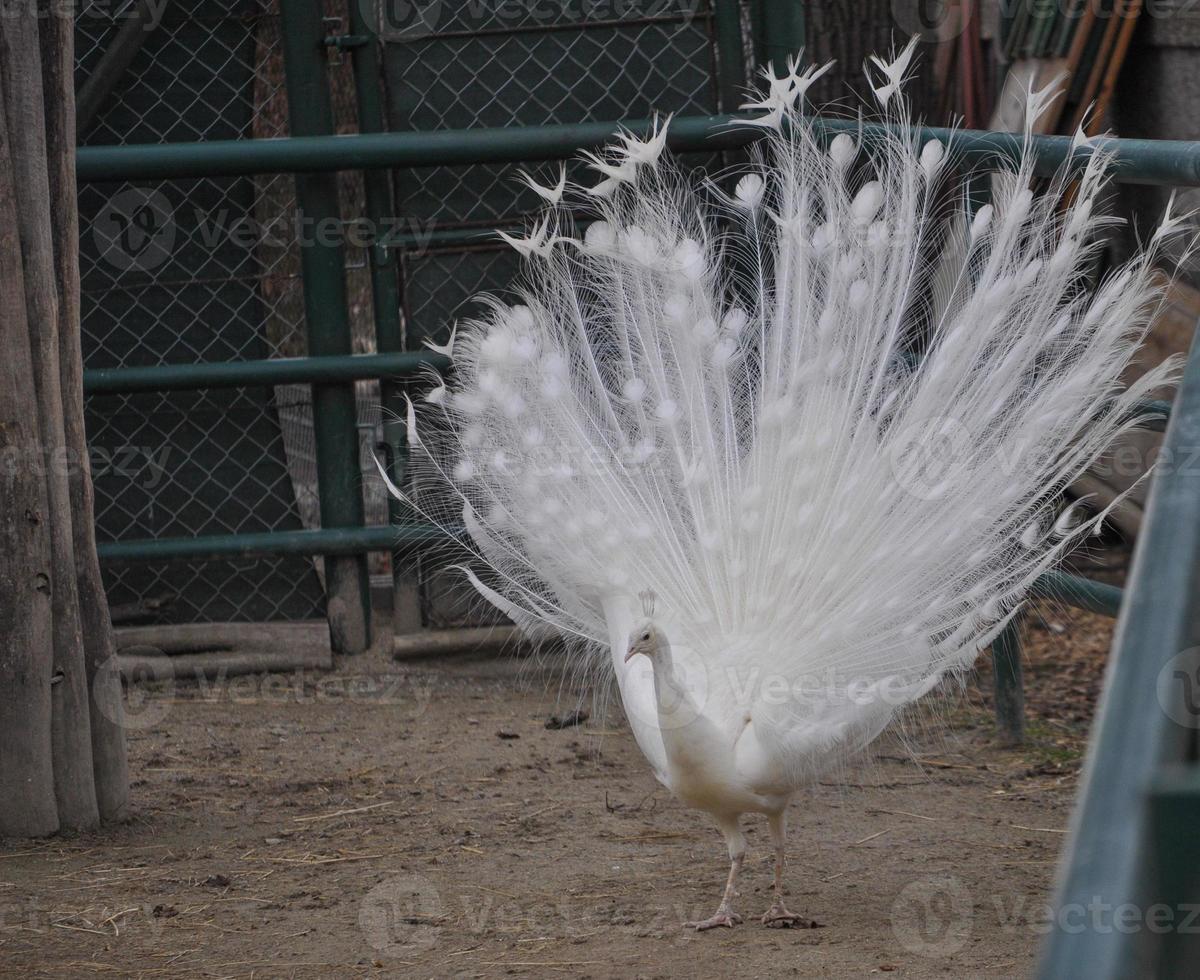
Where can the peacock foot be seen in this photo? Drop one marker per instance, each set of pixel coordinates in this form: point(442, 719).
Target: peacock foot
point(722, 917)
point(778, 917)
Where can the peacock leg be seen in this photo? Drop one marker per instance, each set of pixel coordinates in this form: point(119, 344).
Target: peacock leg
point(778, 916)
point(725, 916)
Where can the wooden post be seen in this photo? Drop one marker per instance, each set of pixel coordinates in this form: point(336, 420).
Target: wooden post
point(48, 701)
point(107, 711)
point(27, 806)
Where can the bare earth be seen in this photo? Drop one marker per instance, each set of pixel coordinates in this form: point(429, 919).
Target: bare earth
point(419, 820)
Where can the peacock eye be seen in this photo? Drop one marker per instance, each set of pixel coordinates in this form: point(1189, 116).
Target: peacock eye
point(646, 635)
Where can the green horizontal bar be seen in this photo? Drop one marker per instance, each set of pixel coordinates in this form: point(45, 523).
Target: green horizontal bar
point(451, 237)
point(1160, 408)
point(1174, 162)
point(358, 151)
point(1083, 593)
point(1180, 782)
point(272, 371)
point(322, 541)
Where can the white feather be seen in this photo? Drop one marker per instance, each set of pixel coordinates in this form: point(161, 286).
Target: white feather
point(727, 411)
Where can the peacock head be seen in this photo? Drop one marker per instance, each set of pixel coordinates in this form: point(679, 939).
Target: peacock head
point(645, 638)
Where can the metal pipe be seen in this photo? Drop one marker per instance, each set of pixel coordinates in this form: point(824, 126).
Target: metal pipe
point(783, 31)
point(1082, 593)
point(257, 544)
point(386, 300)
point(327, 319)
point(1171, 162)
point(1114, 854)
point(731, 58)
point(1009, 683)
point(272, 371)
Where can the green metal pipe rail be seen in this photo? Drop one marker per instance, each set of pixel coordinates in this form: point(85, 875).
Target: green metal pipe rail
point(1135, 833)
point(259, 544)
point(1173, 162)
point(271, 371)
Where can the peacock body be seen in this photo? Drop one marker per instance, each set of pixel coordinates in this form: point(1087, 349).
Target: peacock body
point(799, 444)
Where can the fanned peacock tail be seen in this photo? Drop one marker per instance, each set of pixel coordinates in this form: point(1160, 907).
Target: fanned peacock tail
point(824, 417)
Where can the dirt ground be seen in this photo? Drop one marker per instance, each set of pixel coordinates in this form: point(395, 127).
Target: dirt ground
point(420, 820)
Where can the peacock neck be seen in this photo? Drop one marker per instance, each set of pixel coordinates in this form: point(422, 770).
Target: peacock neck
point(671, 696)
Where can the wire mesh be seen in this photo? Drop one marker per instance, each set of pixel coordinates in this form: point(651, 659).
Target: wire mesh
point(189, 271)
point(525, 64)
point(208, 269)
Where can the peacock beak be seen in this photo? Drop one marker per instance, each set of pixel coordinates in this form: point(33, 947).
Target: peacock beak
point(633, 652)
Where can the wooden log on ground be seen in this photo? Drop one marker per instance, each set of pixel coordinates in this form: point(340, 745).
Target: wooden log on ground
point(219, 665)
point(447, 642)
point(181, 638)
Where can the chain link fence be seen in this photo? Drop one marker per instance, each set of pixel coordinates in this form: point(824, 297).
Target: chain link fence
point(182, 271)
point(208, 269)
point(518, 64)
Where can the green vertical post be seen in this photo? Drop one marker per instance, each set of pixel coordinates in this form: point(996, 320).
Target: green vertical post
point(386, 301)
point(326, 312)
point(731, 57)
point(1009, 681)
point(782, 28)
point(1009, 686)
